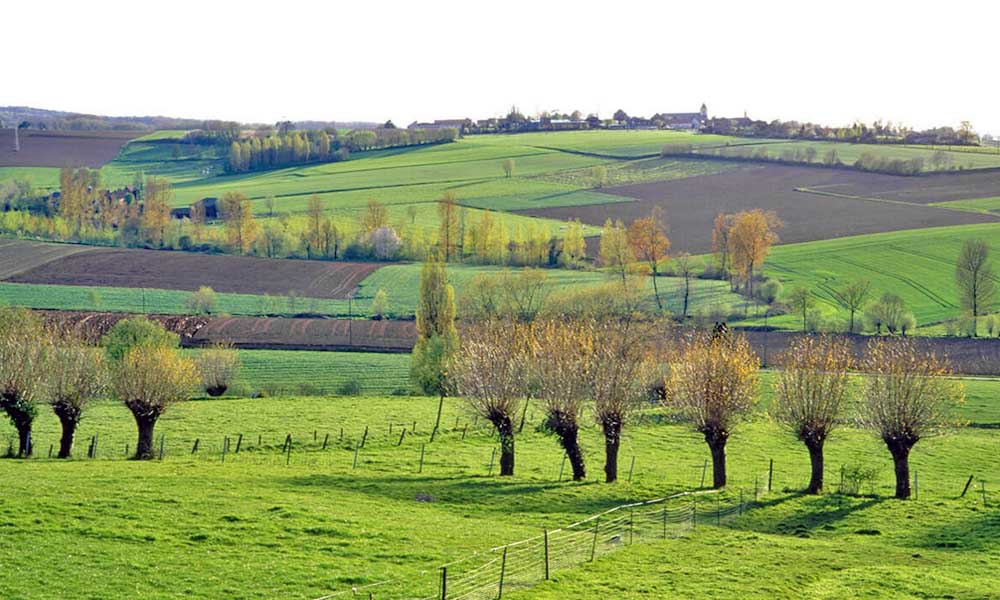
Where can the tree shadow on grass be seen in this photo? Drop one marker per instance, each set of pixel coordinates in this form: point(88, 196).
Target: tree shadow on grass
point(808, 513)
point(975, 530)
point(489, 494)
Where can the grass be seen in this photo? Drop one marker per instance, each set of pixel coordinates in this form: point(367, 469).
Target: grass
point(261, 528)
point(918, 265)
point(981, 205)
point(284, 373)
point(43, 178)
point(401, 282)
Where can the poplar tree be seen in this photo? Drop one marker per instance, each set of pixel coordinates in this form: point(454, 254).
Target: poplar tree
point(437, 338)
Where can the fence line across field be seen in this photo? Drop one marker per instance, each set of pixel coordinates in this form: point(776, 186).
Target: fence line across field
point(524, 563)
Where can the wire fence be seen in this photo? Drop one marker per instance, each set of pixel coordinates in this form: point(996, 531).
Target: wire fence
point(525, 563)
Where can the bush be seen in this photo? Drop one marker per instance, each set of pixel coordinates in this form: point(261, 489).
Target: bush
point(380, 305)
point(351, 387)
point(218, 366)
point(856, 478)
point(201, 302)
point(137, 332)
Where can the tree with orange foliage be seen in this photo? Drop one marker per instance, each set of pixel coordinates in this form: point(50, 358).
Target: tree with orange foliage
point(648, 241)
point(750, 241)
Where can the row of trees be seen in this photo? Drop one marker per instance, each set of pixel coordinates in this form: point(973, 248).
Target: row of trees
point(878, 132)
point(285, 148)
point(138, 363)
point(612, 364)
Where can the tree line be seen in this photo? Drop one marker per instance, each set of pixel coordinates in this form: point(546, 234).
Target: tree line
point(138, 363)
point(878, 132)
point(612, 366)
point(260, 152)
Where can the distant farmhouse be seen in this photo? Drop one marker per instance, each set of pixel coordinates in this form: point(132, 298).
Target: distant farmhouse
point(516, 122)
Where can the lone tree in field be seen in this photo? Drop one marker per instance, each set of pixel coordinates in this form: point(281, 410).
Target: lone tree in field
point(811, 395)
point(491, 374)
point(618, 375)
point(508, 167)
point(975, 278)
point(149, 380)
point(801, 299)
point(853, 297)
point(649, 243)
point(561, 354)
point(77, 375)
point(616, 254)
point(201, 302)
point(24, 353)
point(437, 338)
point(906, 396)
point(750, 241)
point(712, 386)
point(684, 268)
point(218, 367)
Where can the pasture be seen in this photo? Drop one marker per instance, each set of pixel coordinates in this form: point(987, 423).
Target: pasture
point(917, 265)
point(265, 524)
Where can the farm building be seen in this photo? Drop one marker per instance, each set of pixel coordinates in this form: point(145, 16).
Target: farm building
point(209, 208)
point(693, 121)
point(459, 124)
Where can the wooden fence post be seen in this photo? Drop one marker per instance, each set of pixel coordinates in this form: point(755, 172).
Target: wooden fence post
point(364, 437)
point(444, 583)
point(967, 484)
point(492, 458)
point(770, 476)
point(664, 520)
point(194, 448)
point(546, 534)
point(326, 439)
point(704, 469)
point(631, 468)
point(402, 434)
point(593, 544)
point(239, 443)
point(503, 571)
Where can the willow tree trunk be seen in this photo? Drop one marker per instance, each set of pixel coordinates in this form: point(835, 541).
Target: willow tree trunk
point(22, 415)
point(69, 418)
point(716, 441)
point(900, 450)
point(24, 445)
point(569, 438)
point(144, 445)
point(505, 431)
point(612, 442)
point(816, 458)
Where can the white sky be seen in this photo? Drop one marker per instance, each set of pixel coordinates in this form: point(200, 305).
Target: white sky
point(828, 62)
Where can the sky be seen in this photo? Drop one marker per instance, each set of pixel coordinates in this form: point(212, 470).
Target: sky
point(918, 63)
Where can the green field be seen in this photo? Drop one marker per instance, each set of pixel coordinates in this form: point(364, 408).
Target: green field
point(400, 281)
point(918, 265)
point(285, 373)
point(263, 525)
point(984, 205)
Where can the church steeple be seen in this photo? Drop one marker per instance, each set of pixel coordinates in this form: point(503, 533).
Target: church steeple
point(704, 111)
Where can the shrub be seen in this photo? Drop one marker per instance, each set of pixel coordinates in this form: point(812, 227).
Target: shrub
point(385, 243)
point(350, 387)
point(137, 332)
point(855, 478)
point(218, 367)
point(201, 302)
point(380, 305)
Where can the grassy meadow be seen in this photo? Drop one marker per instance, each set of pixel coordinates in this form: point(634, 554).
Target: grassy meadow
point(263, 524)
point(918, 265)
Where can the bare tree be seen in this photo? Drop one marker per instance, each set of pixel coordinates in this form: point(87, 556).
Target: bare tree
point(76, 377)
point(508, 167)
point(684, 267)
point(906, 397)
point(24, 346)
point(560, 363)
point(712, 386)
point(149, 380)
point(490, 372)
point(801, 299)
point(618, 373)
point(218, 367)
point(975, 278)
point(811, 394)
point(853, 297)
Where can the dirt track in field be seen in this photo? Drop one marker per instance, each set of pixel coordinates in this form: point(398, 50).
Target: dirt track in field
point(62, 148)
point(188, 271)
point(691, 204)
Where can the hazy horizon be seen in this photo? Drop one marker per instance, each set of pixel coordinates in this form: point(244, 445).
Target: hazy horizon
point(387, 60)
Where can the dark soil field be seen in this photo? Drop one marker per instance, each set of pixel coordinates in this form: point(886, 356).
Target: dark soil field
point(941, 187)
point(188, 271)
point(308, 334)
point(17, 256)
point(691, 204)
point(62, 148)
